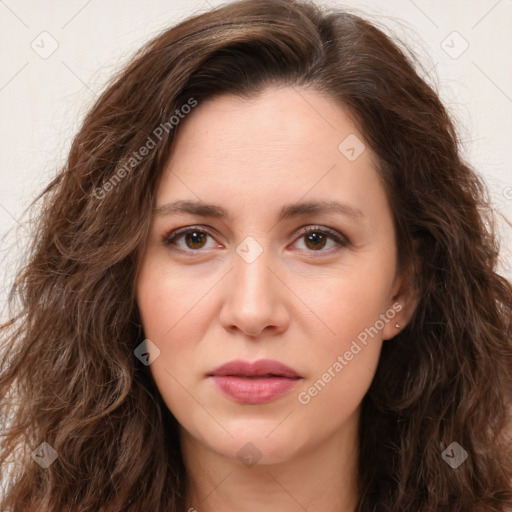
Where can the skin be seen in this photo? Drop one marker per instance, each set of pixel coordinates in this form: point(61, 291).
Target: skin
point(297, 304)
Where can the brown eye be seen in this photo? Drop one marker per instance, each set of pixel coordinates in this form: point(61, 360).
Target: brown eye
point(315, 240)
point(194, 239)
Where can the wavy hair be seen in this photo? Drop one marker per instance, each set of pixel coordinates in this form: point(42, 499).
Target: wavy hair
point(68, 373)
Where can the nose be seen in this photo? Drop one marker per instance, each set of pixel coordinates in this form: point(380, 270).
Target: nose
point(254, 298)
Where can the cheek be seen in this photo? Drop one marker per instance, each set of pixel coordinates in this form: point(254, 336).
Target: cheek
point(163, 310)
point(335, 394)
point(347, 306)
point(174, 314)
point(167, 299)
point(346, 355)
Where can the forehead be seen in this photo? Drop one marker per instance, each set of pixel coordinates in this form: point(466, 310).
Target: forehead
point(284, 143)
point(274, 124)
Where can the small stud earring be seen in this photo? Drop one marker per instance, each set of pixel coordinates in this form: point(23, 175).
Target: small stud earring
point(397, 326)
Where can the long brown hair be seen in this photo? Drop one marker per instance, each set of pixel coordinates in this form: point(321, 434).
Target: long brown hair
point(69, 377)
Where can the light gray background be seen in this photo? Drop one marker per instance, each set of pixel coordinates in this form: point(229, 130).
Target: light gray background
point(43, 97)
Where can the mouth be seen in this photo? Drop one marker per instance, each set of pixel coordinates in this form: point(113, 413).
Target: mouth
point(262, 368)
point(254, 383)
point(267, 376)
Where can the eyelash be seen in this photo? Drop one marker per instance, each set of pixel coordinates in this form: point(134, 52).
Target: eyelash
point(342, 242)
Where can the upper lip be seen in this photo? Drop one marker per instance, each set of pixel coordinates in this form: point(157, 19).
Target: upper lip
point(259, 368)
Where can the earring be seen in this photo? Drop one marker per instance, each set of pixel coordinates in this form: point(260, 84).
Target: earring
point(397, 326)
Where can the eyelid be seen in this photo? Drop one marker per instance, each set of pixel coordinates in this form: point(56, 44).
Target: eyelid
point(173, 234)
point(341, 240)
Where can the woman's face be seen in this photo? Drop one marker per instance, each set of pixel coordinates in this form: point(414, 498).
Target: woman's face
point(250, 285)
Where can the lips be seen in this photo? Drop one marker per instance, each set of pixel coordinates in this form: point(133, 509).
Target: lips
point(254, 383)
point(260, 368)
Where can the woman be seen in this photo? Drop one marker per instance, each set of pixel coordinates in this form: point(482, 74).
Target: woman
point(264, 280)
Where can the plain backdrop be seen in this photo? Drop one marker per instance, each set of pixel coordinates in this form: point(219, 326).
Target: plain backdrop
point(57, 56)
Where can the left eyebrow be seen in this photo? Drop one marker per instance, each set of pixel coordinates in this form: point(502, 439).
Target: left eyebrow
point(317, 207)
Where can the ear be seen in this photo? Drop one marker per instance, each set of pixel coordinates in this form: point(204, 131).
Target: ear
point(404, 300)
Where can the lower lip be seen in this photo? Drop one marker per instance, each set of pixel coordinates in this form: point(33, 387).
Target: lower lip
point(245, 390)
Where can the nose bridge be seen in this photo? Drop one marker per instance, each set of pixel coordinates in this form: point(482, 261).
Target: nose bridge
point(251, 300)
point(251, 276)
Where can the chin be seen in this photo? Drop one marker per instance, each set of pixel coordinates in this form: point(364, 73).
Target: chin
point(252, 444)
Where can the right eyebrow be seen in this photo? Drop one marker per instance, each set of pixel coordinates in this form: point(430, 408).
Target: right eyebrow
point(181, 207)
